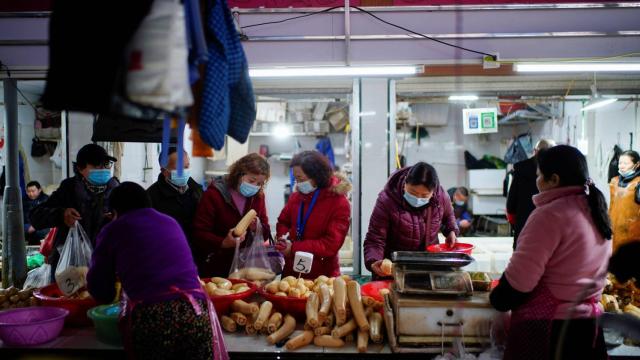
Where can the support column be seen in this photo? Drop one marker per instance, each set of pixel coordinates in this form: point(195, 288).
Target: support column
point(14, 263)
point(374, 152)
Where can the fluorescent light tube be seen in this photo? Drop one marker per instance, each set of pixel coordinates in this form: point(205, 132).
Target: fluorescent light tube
point(334, 71)
point(463, 97)
point(282, 131)
point(598, 103)
point(576, 67)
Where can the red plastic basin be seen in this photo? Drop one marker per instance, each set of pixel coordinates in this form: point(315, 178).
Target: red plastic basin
point(458, 248)
point(296, 307)
point(222, 303)
point(31, 326)
point(51, 295)
point(372, 288)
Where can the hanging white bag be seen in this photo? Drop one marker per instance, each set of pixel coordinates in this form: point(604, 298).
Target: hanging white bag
point(75, 258)
point(158, 73)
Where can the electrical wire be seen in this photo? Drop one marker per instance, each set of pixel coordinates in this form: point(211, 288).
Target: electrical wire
point(291, 18)
point(379, 19)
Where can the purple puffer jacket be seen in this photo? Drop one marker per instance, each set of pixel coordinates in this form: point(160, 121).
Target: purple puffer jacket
point(396, 226)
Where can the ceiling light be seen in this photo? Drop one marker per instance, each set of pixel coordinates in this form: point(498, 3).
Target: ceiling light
point(463, 97)
point(596, 100)
point(576, 67)
point(281, 131)
point(598, 103)
point(335, 71)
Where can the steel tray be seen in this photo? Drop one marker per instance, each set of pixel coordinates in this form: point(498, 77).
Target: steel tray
point(435, 260)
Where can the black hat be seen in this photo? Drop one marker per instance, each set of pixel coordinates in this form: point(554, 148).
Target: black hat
point(93, 154)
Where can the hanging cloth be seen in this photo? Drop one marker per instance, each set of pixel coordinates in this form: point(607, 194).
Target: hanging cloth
point(228, 103)
point(324, 147)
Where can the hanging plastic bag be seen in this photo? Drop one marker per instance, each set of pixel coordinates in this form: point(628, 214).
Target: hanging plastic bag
point(519, 149)
point(38, 277)
point(75, 257)
point(158, 72)
point(253, 262)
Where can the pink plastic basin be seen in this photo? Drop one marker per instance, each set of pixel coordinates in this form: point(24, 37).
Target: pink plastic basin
point(31, 326)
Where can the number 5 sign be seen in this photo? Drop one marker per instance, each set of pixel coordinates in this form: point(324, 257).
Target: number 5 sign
point(302, 262)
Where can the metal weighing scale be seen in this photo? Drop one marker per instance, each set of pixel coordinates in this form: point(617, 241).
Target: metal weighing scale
point(432, 304)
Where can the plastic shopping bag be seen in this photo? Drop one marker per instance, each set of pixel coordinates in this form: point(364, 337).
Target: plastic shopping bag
point(75, 257)
point(158, 73)
point(253, 262)
point(38, 277)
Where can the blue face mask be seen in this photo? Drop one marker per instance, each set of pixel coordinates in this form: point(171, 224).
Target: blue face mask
point(248, 190)
point(459, 202)
point(305, 187)
point(626, 173)
point(414, 201)
point(180, 180)
point(99, 176)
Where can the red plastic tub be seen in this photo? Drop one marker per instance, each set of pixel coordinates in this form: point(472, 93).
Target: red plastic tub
point(222, 303)
point(51, 295)
point(458, 248)
point(31, 326)
point(287, 304)
point(372, 288)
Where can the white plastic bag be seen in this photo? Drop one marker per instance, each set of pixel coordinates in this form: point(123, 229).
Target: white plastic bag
point(38, 277)
point(75, 257)
point(253, 262)
point(158, 72)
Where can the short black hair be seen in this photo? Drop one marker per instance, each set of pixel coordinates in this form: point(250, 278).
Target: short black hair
point(128, 196)
point(423, 174)
point(463, 190)
point(34, 183)
point(315, 165)
point(635, 157)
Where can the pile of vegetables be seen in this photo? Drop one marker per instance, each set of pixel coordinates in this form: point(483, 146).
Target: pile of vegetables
point(336, 313)
point(218, 286)
point(618, 297)
point(11, 298)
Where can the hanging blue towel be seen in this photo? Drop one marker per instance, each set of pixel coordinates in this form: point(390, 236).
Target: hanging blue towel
point(325, 148)
point(228, 104)
point(195, 38)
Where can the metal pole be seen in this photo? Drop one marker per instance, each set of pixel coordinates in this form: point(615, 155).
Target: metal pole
point(347, 31)
point(14, 262)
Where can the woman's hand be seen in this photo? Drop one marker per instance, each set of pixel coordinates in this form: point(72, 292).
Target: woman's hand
point(376, 268)
point(231, 240)
point(284, 246)
point(451, 239)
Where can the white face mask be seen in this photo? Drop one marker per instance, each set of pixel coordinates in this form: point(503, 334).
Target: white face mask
point(305, 187)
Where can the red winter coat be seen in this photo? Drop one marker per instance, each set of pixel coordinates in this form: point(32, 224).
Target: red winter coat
point(215, 216)
point(397, 226)
point(325, 231)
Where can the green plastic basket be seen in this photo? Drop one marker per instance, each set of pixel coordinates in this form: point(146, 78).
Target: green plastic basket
point(105, 319)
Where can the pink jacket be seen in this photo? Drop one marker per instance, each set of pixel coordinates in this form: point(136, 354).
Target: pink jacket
point(561, 248)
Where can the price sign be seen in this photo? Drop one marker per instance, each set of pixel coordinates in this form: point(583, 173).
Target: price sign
point(302, 262)
point(72, 279)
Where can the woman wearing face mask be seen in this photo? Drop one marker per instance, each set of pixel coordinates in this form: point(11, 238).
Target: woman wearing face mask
point(83, 198)
point(221, 207)
point(317, 216)
point(408, 215)
point(624, 209)
point(554, 280)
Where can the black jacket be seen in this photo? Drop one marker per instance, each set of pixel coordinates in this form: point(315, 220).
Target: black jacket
point(28, 205)
point(519, 200)
point(182, 207)
point(72, 193)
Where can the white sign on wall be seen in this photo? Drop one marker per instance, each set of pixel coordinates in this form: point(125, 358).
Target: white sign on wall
point(480, 121)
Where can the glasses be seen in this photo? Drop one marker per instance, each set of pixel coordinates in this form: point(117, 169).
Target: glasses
point(105, 165)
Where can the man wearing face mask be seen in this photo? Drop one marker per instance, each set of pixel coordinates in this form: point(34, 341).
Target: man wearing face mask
point(459, 198)
point(176, 195)
point(83, 198)
point(408, 215)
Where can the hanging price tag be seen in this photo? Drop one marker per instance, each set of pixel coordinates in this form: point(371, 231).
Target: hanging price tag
point(302, 262)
